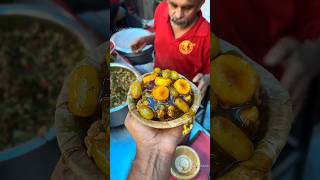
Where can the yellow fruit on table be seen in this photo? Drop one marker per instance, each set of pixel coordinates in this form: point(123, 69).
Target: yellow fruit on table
point(183, 106)
point(214, 46)
point(161, 81)
point(182, 86)
point(135, 90)
point(231, 139)
point(84, 90)
point(234, 81)
point(146, 112)
point(160, 93)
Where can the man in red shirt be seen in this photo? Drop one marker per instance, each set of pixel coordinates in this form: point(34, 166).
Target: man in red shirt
point(182, 43)
point(181, 40)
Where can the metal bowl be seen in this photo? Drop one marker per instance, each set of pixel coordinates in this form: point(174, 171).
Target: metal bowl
point(19, 16)
point(143, 57)
point(123, 40)
point(119, 113)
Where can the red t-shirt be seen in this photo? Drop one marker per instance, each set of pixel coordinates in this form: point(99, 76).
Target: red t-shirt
point(188, 54)
point(255, 26)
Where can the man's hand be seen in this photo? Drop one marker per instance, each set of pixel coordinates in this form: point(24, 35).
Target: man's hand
point(298, 72)
point(140, 43)
point(155, 149)
point(203, 81)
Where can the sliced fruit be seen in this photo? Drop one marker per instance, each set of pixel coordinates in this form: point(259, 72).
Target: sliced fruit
point(149, 78)
point(182, 86)
point(231, 139)
point(160, 93)
point(234, 81)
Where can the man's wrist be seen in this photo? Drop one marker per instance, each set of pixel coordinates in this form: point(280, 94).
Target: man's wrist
point(151, 163)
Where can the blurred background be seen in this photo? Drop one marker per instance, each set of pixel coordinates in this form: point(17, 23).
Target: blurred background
point(285, 39)
point(41, 41)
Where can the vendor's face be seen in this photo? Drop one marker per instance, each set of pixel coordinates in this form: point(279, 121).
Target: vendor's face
point(183, 12)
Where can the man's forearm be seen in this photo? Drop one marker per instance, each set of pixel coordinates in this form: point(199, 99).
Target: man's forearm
point(150, 39)
point(151, 165)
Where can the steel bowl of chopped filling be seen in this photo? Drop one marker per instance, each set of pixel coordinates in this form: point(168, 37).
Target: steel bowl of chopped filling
point(121, 76)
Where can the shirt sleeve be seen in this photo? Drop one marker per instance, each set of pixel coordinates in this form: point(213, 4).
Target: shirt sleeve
point(156, 14)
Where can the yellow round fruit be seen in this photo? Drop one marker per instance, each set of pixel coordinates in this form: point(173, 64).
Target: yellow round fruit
point(183, 106)
point(174, 75)
point(135, 90)
point(234, 81)
point(146, 112)
point(182, 86)
point(161, 81)
point(166, 73)
point(84, 90)
point(160, 93)
point(231, 139)
point(149, 78)
point(157, 70)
